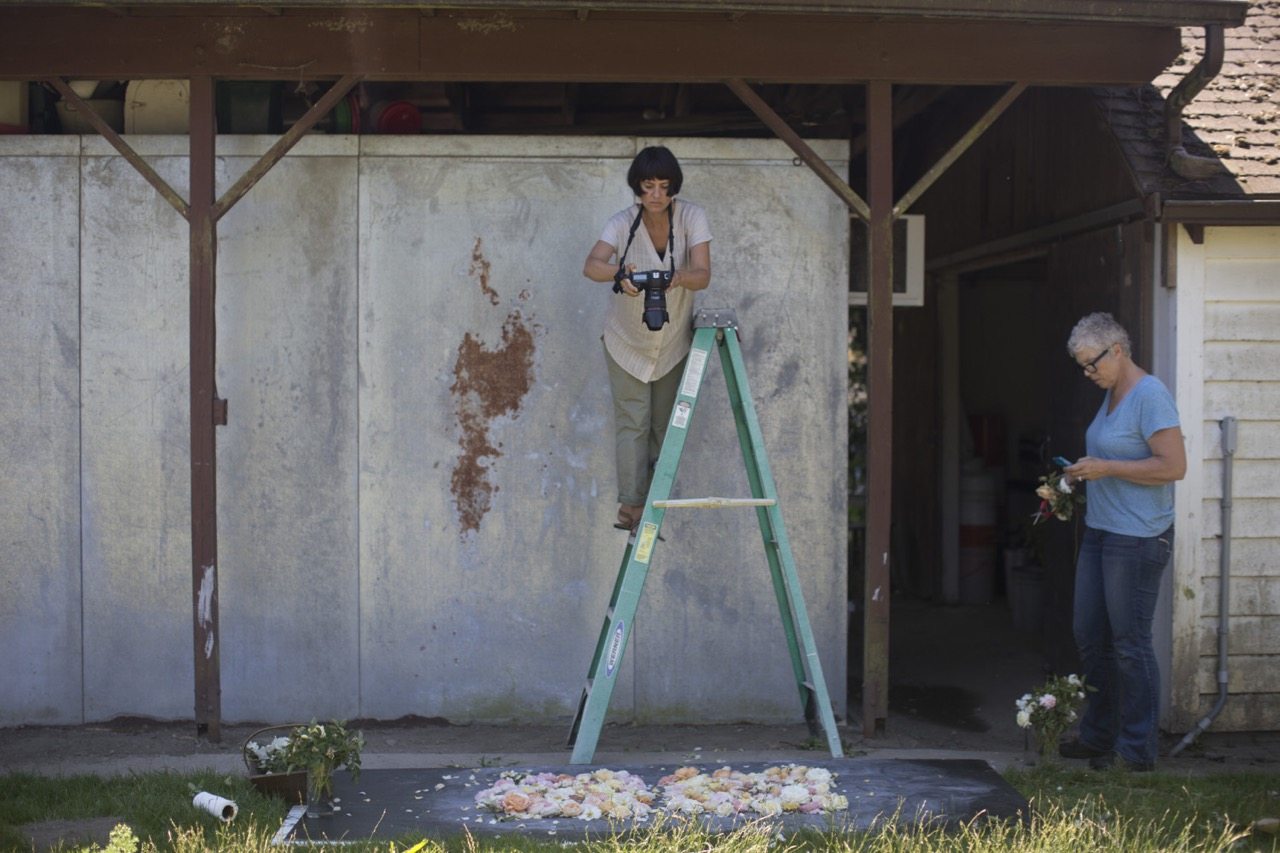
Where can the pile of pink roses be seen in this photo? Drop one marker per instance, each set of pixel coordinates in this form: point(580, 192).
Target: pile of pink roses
point(688, 791)
point(773, 791)
point(586, 796)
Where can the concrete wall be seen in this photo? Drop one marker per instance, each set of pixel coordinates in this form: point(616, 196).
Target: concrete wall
point(40, 581)
point(416, 483)
point(1229, 365)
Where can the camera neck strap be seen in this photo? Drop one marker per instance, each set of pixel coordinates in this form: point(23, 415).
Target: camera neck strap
point(671, 237)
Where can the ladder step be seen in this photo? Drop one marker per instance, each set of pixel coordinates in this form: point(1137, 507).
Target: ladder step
point(713, 503)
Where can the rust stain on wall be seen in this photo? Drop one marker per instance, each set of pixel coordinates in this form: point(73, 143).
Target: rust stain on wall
point(487, 383)
point(480, 268)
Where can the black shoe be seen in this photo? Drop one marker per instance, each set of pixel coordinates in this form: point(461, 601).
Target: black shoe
point(1104, 762)
point(1079, 749)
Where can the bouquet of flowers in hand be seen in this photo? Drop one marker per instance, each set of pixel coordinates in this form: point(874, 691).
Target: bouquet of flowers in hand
point(1050, 710)
point(1058, 498)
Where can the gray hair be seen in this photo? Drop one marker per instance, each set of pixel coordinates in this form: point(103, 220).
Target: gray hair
point(1098, 331)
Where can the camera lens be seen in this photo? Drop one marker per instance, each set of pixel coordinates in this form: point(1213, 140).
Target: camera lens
point(655, 305)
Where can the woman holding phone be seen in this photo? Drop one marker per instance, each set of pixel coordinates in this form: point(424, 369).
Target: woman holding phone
point(1134, 454)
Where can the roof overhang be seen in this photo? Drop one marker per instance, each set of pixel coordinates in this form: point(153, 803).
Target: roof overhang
point(1037, 42)
point(1229, 13)
point(1255, 211)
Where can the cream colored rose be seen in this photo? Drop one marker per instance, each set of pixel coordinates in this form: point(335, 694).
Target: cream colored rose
point(514, 801)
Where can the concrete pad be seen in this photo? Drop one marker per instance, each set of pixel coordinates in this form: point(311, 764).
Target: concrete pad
point(394, 803)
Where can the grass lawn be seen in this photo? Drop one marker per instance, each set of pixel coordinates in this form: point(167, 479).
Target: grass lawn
point(1074, 810)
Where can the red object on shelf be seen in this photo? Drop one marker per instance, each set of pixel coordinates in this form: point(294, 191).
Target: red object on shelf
point(398, 117)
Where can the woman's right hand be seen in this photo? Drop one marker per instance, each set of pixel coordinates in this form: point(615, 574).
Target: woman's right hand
point(627, 287)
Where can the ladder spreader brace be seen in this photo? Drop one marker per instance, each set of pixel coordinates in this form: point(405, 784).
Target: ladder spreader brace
point(716, 328)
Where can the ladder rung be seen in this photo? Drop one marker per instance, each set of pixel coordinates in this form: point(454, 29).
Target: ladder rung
point(713, 503)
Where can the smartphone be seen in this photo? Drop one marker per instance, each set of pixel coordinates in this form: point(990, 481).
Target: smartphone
point(1062, 462)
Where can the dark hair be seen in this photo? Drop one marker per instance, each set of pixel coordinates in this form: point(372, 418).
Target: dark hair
point(658, 163)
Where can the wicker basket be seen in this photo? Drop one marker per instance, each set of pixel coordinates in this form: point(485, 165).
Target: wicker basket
point(292, 787)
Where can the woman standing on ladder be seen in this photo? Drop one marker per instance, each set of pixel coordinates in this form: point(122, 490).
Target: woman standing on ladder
point(645, 366)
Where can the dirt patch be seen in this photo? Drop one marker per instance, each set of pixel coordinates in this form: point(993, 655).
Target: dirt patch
point(69, 834)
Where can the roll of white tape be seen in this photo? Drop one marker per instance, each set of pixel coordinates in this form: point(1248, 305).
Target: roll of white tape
point(220, 807)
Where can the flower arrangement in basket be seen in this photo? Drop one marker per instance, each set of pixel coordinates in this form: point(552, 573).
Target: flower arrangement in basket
point(1051, 709)
point(303, 762)
point(268, 770)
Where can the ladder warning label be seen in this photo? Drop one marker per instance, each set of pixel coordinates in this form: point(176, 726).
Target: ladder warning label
point(615, 649)
point(680, 417)
point(644, 543)
point(693, 372)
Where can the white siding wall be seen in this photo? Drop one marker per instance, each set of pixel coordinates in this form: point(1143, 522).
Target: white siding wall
point(1229, 365)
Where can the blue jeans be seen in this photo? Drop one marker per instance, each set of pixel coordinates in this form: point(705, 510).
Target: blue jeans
point(1117, 581)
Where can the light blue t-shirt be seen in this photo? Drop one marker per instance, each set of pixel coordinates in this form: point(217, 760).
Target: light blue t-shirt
point(1116, 505)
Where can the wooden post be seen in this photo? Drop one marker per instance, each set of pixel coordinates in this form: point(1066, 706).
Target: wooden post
point(204, 485)
point(948, 291)
point(875, 651)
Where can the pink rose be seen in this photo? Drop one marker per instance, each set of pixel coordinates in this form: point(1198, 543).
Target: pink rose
point(1048, 701)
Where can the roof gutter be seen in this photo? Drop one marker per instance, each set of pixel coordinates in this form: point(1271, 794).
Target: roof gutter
point(1184, 164)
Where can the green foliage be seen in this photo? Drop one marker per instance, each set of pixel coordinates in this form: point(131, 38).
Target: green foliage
point(122, 840)
point(323, 745)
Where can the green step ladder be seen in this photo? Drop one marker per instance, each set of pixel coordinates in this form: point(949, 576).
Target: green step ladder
point(718, 329)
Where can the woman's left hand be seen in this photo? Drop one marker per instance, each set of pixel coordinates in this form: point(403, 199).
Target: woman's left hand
point(1088, 468)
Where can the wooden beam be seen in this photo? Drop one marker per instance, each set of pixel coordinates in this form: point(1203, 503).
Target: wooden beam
point(784, 132)
point(258, 170)
point(510, 45)
point(875, 647)
point(126, 151)
point(204, 481)
point(962, 145)
point(766, 49)
point(1173, 13)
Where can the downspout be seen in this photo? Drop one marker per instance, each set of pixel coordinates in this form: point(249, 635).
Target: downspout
point(1184, 164)
point(1224, 583)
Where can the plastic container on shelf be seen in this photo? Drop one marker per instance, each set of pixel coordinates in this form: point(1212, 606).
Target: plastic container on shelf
point(395, 117)
point(157, 107)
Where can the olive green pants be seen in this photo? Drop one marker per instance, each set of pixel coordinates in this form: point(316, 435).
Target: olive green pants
point(641, 412)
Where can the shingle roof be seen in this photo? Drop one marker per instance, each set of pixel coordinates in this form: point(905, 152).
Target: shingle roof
point(1236, 117)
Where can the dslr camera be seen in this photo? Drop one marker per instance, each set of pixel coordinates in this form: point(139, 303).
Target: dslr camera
point(654, 283)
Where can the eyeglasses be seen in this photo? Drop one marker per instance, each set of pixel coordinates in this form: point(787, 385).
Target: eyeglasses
point(1092, 367)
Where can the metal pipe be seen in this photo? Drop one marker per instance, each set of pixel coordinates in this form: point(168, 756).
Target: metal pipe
point(1224, 585)
point(1188, 165)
